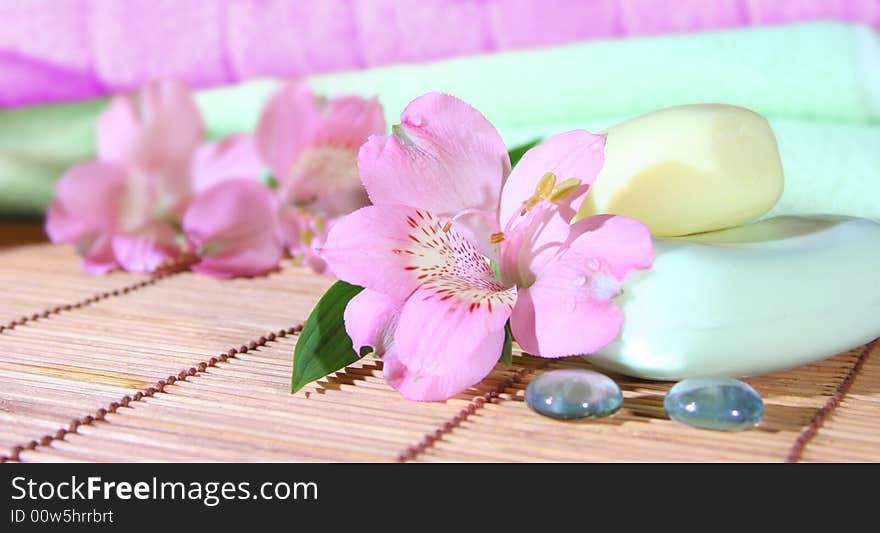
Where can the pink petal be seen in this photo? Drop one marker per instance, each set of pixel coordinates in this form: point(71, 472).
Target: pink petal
point(100, 259)
point(87, 203)
point(393, 249)
point(169, 133)
point(311, 254)
point(532, 240)
point(370, 320)
point(550, 321)
point(171, 125)
point(348, 121)
point(148, 249)
point(575, 154)
point(569, 309)
point(117, 131)
point(444, 345)
point(232, 158)
point(324, 180)
point(286, 127)
point(234, 228)
point(444, 157)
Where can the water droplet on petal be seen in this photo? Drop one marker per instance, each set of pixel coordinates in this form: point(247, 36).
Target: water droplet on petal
point(570, 304)
point(416, 120)
point(579, 281)
point(593, 264)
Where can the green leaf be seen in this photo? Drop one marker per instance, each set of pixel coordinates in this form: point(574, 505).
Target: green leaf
point(507, 348)
point(323, 346)
point(517, 153)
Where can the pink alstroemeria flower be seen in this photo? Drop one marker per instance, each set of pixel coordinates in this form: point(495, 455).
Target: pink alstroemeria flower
point(311, 144)
point(456, 245)
point(232, 224)
point(125, 208)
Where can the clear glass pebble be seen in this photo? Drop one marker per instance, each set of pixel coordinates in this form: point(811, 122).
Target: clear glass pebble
point(573, 394)
point(722, 404)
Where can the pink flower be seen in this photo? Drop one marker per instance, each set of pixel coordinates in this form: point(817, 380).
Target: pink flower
point(456, 245)
point(233, 229)
point(124, 209)
point(311, 144)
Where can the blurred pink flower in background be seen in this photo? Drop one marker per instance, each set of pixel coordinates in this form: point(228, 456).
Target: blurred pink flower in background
point(233, 228)
point(456, 245)
point(156, 194)
point(125, 208)
point(310, 143)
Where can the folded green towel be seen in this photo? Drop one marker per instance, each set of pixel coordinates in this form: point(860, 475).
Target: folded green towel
point(807, 78)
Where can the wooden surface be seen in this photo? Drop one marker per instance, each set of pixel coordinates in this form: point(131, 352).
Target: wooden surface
point(185, 368)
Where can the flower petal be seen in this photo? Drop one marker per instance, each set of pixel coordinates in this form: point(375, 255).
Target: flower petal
point(234, 228)
point(148, 249)
point(370, 320)
point(87, 202)
point(348, 121)
point(232, 158)
point(569, 309)
point(574, 154)
point(393, 249)
point(171, 127)
point(117, 130)
point(446, 342)
point(286, 127)
point(324, 180)
point(444, 157)
point(100, 259)
point(532, 240)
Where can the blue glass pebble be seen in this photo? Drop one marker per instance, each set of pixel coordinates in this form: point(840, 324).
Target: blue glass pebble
point(573, 394)
point(722, 404)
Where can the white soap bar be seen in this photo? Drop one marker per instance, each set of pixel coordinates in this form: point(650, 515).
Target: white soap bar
point(689, 169)
point(759, 298)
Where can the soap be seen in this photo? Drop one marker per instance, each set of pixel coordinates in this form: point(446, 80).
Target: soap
point(766, 296)
point(689, 169)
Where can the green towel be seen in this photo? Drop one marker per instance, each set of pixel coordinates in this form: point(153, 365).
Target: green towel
point(806, 78)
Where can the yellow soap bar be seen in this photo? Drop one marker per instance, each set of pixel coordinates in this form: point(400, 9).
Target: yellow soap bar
point(689, 169)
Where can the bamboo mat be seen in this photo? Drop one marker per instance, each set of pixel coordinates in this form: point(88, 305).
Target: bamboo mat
point(180, 367)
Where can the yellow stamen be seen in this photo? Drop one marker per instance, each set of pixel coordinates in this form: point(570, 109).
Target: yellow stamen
point(320, 225)
point(564, 188)
point(542, 192)
point(306, 236)
point(495, 238)
point(447, 227)
point(545, 186)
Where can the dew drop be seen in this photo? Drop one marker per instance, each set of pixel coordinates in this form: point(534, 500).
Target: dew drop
point(416, 120)
point(579, 281)
point(593, 264)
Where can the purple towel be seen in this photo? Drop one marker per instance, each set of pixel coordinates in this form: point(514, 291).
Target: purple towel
point(75, 49)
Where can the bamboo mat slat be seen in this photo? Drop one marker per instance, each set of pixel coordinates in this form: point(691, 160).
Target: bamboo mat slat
point(186, 368)
point(30, 282)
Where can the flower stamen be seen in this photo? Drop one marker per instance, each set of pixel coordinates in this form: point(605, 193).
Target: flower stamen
point(561, 190)
point(496, 238)
point(542, 192)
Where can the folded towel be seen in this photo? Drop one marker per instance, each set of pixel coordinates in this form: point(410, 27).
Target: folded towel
point(75, 49)
point(823, 72)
